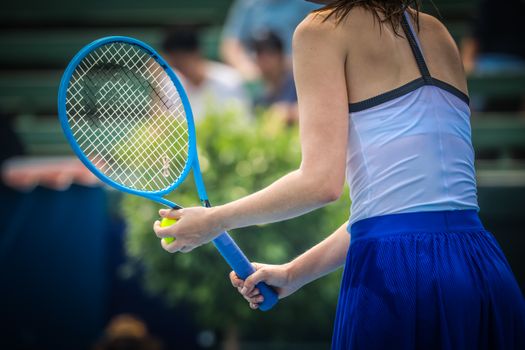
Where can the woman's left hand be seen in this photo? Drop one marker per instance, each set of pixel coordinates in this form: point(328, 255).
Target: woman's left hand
point(194, 227)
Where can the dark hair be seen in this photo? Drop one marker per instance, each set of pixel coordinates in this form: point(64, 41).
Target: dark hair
point(266, 41)
point(181, 40)
point(391, 10)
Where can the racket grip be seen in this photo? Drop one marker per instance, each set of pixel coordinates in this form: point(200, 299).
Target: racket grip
point(243, 268)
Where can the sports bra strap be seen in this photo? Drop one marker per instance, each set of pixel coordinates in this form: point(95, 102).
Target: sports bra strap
point(425, 80)
point(416, 48)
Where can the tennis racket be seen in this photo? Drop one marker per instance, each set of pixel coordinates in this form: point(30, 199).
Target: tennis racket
point(128, 119)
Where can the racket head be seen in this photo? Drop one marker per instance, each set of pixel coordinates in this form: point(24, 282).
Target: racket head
point(69, 112)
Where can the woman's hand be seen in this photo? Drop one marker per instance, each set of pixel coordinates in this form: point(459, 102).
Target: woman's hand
point(195, 226)
point(318, 261)
point(276, 276)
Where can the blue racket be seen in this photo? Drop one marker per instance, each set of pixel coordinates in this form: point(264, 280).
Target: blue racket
point(128, 119)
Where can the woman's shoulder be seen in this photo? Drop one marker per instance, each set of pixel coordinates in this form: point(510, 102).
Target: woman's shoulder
point(320, 25)
point(429, 23)
point(315, 28)
point(441, 51)
point(314, 23)
point(324, 20)
point(435, 34)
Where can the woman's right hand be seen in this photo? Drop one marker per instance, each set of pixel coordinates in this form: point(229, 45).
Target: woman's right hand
point(276, 276)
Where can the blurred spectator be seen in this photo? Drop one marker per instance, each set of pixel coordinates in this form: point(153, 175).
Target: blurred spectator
point(126, 332)
point(279, 93)
point(10, 144)
point(211, 86)
point(24, 173)
point(496, 45)
point(497, 42)
point(249, 17)
point(58, 173)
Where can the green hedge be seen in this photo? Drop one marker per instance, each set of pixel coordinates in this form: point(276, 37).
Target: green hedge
point(237, 158)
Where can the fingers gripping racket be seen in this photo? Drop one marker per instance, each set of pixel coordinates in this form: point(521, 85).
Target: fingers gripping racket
point(128, 119)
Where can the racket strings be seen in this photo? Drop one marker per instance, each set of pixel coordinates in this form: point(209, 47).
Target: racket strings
point(128, 118)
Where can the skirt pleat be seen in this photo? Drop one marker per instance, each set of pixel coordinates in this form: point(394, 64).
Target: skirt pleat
point(432, 280)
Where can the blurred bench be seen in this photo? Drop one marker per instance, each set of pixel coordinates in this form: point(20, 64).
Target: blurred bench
point(158, 12)
point(155, 13)
point(497, 85)
point(29, 91)
point(48, 48)
point(500, 135)
point(42, 136)
point(462, 9)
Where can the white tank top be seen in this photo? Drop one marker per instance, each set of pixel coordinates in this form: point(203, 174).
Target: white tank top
point(410, 149)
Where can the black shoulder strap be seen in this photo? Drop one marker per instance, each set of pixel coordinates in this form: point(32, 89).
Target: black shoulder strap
point(416, 49)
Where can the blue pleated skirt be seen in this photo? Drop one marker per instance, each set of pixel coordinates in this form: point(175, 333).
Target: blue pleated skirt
point(427, 280)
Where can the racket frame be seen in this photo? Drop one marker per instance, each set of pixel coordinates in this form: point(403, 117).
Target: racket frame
point(191, 162)
point(224, 243)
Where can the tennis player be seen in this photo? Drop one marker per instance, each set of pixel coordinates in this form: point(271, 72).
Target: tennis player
point(382, 96)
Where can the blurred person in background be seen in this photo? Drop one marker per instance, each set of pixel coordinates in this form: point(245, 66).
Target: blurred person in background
point(10, 143)
point(497, 42)
point(126, 332)
point(23, 173)
point(383, 100)
point(279, 93)
point(249, 17)
point(496, 45)
point(10, 146)
point(211, 86)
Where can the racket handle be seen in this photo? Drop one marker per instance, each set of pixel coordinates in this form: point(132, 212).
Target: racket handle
point(243, 268)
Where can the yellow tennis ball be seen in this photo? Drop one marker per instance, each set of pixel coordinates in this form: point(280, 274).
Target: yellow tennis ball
point(165, 222)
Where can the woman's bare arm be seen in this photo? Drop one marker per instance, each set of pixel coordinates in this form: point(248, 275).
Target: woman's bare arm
point(323, 108)
point(317, 262)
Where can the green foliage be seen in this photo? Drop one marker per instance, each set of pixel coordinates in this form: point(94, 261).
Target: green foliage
point(238, 158)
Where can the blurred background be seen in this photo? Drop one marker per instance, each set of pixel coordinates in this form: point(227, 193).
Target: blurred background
point(80, 267)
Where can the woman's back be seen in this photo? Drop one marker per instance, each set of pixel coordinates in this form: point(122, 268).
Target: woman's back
point(409, 142)
point(379, 60)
